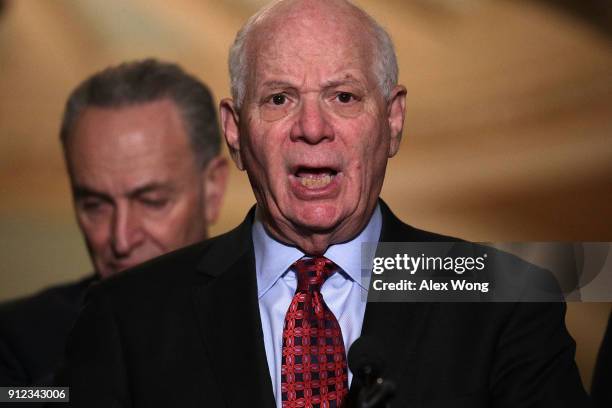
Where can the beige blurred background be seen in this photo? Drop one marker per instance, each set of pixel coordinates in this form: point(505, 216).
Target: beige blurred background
point(508, 135)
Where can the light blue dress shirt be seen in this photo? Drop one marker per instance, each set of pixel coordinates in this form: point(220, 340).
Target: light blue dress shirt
point(343, 292)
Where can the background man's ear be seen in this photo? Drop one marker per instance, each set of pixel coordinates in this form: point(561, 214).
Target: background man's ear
point(215, 182)
point(231, 129)
point(396, 113)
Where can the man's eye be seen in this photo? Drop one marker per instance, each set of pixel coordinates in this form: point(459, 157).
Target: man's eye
point(91, 205)
point(345, 97)
point(154, 203)
point(279, 99)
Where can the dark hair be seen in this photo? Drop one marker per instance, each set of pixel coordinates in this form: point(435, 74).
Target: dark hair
point(146, 81)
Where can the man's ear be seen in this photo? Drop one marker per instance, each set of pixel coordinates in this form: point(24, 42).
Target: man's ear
point(231, 129)
point(215, 181)
point(396, 112)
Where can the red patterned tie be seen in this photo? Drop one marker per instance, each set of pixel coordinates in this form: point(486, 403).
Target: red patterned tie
point(314, 371)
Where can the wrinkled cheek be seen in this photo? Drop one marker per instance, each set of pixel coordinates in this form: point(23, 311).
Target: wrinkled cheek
point(95, 239)
point(260, 182)
point(262, 166)
point(372, 173)
point(254, 167)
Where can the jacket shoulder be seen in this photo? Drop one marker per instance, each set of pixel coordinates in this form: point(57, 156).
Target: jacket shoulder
point(33, 331)
point(175, 270)
point(395, 230)
point(54, 301)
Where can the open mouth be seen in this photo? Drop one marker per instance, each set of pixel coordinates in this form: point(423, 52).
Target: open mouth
point(315, 177)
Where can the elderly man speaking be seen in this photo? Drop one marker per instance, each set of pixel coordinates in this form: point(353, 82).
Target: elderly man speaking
point(264, 315)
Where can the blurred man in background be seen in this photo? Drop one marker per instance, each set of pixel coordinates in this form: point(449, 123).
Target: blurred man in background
point(141, 142)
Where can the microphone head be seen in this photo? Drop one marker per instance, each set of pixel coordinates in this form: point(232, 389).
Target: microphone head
point(365, 358)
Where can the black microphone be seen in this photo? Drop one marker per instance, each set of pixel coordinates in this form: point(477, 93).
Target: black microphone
point(365, 359)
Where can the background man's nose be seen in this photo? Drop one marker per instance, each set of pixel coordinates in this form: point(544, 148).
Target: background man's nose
point(126, 232)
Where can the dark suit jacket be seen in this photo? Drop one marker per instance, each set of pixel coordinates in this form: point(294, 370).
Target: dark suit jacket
point(184, 330)
point(601, 390)
point(33, 333)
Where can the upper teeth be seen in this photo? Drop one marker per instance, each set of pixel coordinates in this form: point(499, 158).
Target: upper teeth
point(315, 181)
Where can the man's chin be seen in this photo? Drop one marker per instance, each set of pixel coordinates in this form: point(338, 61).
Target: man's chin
point(115, 269)
point(106, 273)
point(317, 218)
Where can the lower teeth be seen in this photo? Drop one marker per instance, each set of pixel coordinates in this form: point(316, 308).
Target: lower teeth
point(315, 182)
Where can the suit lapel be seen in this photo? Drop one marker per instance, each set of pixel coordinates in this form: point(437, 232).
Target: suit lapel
point(228, 315)
point(397, 327)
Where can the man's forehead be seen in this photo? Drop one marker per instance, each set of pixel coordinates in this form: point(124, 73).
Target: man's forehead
point(130, 127)
point(310, 27)
point(128, 142)
point(314, 43)
point(310, 78)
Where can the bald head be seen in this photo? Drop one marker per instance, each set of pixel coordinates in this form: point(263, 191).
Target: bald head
point(325, 22)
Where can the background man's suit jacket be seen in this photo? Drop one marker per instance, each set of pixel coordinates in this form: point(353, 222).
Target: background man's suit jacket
point(33, 333)
point(184, 330)
point(601, 390)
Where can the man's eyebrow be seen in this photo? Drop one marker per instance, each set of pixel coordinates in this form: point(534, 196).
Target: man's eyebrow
point(80, 191)
point(348, 80)
point(148, 188)
point(344, 81)
point(277, 84)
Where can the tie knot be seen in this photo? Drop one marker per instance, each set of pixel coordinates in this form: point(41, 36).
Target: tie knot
point(312, 272)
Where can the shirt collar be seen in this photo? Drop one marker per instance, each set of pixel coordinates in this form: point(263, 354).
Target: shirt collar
point(273, 258)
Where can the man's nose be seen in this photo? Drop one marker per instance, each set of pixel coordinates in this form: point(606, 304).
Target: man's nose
point(311, 125)
point(126, 231)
